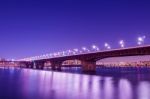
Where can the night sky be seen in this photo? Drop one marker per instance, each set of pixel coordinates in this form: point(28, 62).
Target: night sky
point(35, 27)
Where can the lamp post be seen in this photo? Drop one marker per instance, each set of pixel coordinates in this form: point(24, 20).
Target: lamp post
point(140, 40)
point(122, 43)
point(107, 46)
point(95, 48)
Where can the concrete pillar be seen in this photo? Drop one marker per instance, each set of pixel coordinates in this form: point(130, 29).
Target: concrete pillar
point(27, 65)
point(88, 66)
point(39, 64)
point(22, 64)
point(56, 65)
point(31, 64)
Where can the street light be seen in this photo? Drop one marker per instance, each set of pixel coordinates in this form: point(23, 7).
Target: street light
point(122, 44)
point(75, 51)
point(107, 46)
point(94, 47)
point(63, 53)
point(140, 40)
point(84, 48)
point(55, 54)
point(69, 52)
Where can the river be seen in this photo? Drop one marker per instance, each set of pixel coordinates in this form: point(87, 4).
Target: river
point(16, 83)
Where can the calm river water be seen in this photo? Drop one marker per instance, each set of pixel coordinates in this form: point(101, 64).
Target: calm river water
point(40, 84)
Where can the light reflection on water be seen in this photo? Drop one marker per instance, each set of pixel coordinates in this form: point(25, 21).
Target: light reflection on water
point(38, 84)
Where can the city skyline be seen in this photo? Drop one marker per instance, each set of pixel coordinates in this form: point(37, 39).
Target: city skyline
point(30, 28)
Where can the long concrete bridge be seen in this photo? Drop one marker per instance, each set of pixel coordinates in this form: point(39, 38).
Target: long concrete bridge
point(88, 60)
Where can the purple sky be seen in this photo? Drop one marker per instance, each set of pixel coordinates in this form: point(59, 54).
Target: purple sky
point(35, 27)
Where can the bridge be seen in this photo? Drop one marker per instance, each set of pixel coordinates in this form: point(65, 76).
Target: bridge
point(88, 60)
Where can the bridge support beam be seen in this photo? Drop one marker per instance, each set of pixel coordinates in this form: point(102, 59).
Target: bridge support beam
point(26, 64)
point(39, 65)
point(23, 65)
point(88, 66)
point(31, 65)
point(56, 65)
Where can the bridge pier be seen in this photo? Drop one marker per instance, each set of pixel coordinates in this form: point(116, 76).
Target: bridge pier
point(56, 65)
point(26, 64)
point(31, 65)
point(88, 66)
point(22, 64)
point(39, 65)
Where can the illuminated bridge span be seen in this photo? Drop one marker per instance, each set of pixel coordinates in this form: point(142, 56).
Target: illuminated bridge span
point(88, 60)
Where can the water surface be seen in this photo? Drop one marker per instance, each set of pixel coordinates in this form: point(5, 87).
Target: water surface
point(39, 84)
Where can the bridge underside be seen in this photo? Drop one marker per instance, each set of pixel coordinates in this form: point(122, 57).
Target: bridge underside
point(87, 66)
